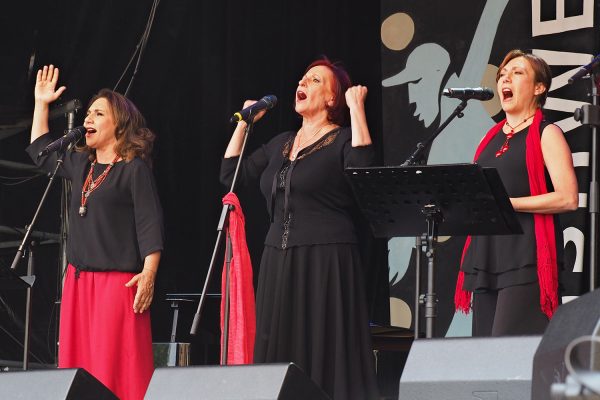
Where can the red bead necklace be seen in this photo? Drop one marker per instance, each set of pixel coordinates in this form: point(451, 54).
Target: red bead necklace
point(90, 184)
point(509, 135)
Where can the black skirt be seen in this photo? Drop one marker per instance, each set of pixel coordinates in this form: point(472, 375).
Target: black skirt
point(311, 310)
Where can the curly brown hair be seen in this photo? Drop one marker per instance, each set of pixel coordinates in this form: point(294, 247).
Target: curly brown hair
point(134, 139)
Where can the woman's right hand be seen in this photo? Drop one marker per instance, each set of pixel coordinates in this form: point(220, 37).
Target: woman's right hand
point(45, 85)
point(234, 147)
point(258, 116)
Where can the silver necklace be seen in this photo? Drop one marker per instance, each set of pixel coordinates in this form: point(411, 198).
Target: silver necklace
point(300, 144)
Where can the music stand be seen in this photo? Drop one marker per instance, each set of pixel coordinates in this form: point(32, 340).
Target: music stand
point(454, 199)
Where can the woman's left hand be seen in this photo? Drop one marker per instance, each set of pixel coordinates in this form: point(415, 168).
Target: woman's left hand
point(145, 290)
point(355, 96)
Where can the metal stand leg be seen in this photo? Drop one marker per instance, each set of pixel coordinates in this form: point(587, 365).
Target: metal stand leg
point(434, 216)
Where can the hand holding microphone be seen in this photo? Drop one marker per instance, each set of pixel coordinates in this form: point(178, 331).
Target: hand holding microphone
point(254, 110)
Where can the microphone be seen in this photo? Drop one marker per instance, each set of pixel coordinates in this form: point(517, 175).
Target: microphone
point(477, 93)
point(585, 69)
point(266, 103)
point(61, 144)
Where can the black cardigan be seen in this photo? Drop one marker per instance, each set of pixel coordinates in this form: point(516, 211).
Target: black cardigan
point(321, 205)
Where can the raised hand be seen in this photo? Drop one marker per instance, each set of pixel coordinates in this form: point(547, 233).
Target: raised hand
point(355, 96)
point(45, 85)
point(355, 99)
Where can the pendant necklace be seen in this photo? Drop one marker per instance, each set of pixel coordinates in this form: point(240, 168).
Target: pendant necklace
point(303, 142)
point(90, 184)
point(509, 135)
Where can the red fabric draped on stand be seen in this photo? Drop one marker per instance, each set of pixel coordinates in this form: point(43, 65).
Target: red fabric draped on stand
point(242, 314)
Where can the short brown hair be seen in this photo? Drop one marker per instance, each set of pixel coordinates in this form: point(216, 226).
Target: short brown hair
point(541, 70)
point(134, 139)
point(338, 113)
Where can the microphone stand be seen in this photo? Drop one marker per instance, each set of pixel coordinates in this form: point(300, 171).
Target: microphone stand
point(426, 242)
point(590, 115)
point(65, 199)
point(30, 267)
point(223, 220)
point(415, 157)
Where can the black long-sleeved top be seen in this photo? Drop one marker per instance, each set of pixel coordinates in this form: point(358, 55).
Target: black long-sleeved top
point(320, 202)
point(123, 223)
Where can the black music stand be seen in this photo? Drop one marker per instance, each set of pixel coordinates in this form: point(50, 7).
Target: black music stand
point(455, 199)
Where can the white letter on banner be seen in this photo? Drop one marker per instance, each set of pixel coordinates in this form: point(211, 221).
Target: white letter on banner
point(574, 235)
point(561, 23)
point(552, 103)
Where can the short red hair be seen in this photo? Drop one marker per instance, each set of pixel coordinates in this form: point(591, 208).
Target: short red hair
point(338, 113)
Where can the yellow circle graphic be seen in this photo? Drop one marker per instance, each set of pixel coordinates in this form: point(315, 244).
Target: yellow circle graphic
point(492, 106)
point(397, 31)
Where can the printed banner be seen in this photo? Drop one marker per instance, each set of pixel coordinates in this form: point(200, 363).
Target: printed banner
point(430, 46)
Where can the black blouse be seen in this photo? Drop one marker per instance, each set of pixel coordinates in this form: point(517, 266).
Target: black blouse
point(499, 261)
point(310, 200)
point(123, 223)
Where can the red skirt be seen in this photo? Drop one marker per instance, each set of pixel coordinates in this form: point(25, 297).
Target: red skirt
point(100, 332)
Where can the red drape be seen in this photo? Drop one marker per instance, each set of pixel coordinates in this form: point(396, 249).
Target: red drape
point(242, 314)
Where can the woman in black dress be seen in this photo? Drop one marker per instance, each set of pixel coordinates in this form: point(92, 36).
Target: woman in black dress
point(514, 278)
point(310, 301)
point(115, 240)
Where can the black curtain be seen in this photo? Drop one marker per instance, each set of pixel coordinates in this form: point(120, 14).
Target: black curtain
point(202, 60)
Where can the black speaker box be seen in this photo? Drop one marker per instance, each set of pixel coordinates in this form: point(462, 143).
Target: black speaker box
point(580, 317)
point(55, 384)
point(469, 368)
point(260, 381)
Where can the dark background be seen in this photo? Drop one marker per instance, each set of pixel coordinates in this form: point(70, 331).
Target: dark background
point(202, 60)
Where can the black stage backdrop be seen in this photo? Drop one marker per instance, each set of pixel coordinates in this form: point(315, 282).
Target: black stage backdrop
point(202, 60)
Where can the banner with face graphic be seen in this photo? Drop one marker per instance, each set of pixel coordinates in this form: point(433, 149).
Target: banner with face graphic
point(430, 46)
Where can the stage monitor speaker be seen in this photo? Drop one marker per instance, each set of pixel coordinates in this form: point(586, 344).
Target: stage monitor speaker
point(580, 317)
point(469, 368)
point(260, 381)
point(54, 384)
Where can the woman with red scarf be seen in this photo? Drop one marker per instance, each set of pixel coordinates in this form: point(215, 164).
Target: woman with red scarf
point(514, 278)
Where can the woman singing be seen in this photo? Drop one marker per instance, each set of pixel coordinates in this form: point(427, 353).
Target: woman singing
point(310, 300)
point(514, 278)
point(115, 241)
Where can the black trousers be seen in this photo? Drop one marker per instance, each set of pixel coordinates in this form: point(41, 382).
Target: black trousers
point(509, 311)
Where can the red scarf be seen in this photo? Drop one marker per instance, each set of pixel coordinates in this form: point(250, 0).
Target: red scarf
point(544, 224)
point(242, 316)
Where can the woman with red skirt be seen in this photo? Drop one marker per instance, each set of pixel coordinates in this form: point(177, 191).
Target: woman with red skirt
point(115, 240)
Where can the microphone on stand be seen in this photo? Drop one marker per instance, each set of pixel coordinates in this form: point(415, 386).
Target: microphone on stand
point(62, 143)
point(585, 69)
point(477, 93)
point(266, 103)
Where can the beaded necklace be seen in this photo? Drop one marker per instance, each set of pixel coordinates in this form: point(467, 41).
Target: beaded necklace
point(90, 184)
point(509, 135)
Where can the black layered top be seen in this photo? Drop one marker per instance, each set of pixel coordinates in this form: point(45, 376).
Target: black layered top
point(123, 223)
point(499, 261)
point(310, 200)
